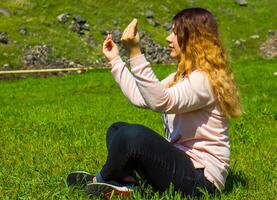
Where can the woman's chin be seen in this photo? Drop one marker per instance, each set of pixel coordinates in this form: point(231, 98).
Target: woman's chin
point(174, 56)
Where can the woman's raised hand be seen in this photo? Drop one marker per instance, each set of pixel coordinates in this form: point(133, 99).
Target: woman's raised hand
point(110, 49)
point(130, 39)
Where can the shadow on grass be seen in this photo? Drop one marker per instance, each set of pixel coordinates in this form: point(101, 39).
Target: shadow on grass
point(235, 179)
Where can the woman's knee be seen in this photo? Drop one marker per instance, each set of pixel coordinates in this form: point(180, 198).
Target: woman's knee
point(115, 127)
point(135, 133)
point(114, 130)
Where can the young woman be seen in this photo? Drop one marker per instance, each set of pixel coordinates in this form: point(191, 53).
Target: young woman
point(196, 102)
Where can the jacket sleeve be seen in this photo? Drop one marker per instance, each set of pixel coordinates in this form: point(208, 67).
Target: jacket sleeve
point(192, 93)
point(127, 82)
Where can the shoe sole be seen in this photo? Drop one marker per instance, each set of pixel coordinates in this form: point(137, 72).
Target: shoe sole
point(106, 190)
point(79, 178)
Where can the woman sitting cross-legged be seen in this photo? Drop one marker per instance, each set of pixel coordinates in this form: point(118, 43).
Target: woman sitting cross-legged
point(195, 101)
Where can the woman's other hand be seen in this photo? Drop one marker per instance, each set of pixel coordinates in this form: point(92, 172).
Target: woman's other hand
point(110, 49)
point(130, 39)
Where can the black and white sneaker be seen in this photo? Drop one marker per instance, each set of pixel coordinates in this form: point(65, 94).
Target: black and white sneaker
point(79, 179)
point(107, 190)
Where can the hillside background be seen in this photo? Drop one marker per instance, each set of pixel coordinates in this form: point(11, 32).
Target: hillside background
point(28, 23)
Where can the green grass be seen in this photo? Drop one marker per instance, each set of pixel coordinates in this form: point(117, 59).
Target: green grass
point(39, 17)
point(52, 126)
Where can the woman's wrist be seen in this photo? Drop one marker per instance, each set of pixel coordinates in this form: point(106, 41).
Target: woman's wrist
point(134, 52)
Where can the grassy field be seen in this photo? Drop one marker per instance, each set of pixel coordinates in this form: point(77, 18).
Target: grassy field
point(39, 18)
point(51, 126)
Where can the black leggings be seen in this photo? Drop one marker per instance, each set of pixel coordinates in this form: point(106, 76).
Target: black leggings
point(133, 147)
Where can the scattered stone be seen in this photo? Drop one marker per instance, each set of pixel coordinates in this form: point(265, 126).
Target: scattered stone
point(37, 56)
point(79, 25)
point(241, 2)
point(237, 42)
point(86, 27)
point(153, 22)
point(149, 14)
point(60, 63)
point(254, 37)
point(63, 17)
point(72, 64)
point(75, 27)
point(167, 26)
point(4, 39)
point(22, 30)
point(269, 47)
point(6, 67)
point(78, 19)
point(4, 12)
point(240, 42)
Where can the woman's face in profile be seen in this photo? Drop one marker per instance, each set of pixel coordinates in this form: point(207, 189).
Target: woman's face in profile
point(173, 45)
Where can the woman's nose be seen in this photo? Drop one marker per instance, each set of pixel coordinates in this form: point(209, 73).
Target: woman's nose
point(168, 39)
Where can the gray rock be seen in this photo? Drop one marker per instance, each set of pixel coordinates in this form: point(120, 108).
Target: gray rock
point(254, 37)
point(4, 12)
point(269, 48)
point(72, 64)
point(86, 27)
point(239, 42)
point(22, 30)
point(241, 2)
point(167, 26)
point(80, 20)
point(149, 14)
point(242, 40)
point(29, 58)
point(75, 27)
point(63, 17)
point(153, 22)
point(37, 56)
point(79, 25)
point(6, 66)
point(4, 39)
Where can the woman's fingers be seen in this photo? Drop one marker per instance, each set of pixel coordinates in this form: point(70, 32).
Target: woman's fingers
point(108, 43)
point(130, 31)
point(109, 48)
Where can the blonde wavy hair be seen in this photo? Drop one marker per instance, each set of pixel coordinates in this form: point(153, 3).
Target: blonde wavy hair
point(197, 36)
